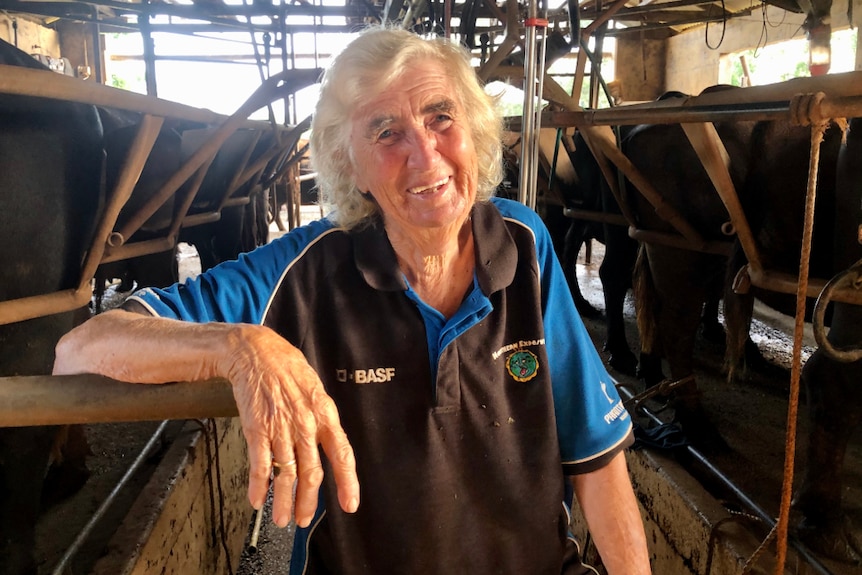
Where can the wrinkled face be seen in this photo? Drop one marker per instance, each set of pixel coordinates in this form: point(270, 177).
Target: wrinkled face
point(413, 151)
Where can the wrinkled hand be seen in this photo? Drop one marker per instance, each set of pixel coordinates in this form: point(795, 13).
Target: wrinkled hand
point(285, 414)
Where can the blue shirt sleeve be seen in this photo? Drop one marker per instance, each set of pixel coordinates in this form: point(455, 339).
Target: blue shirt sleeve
point(237, 291)
point(591, 419)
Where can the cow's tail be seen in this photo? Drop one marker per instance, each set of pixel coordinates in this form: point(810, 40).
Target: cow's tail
point(646, 301)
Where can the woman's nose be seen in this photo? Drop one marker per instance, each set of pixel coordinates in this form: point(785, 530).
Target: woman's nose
point(423, 150)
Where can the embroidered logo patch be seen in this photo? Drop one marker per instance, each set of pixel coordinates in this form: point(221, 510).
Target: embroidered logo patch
point(522, 365)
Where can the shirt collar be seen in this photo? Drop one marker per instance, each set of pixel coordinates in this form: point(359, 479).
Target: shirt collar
point(496, 252)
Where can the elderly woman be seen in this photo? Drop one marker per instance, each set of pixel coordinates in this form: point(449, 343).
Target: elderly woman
point(423, 335)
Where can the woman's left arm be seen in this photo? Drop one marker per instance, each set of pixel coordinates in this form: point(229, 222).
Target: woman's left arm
point(610, 508)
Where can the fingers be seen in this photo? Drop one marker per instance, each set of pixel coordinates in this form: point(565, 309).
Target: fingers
point(259, 457)
point(310, 469)
point(284, 470)
point(286, 414)
point(341, 458)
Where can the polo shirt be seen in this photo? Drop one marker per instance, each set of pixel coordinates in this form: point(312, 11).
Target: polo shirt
point(463, 428)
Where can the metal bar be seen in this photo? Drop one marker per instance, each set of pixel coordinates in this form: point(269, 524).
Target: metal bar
point(677, 241)
point(648, 8)
point(710, 149)
point(269, 90)
point(130, 173)
point(529, 149)
point(666, 211)
point(773, 102)
point(786, 283)
point(46, 84)
point(603, 217)
point(201, 218)
point(188, 197)
point(135, 249)
point(57, 400)
point(30, 307)
point(195, 12)
point(512, 39)
point(604, 17)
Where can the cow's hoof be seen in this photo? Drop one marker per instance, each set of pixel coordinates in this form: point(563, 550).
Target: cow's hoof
point(623, 361)
point(586, 309)
point(833, 539)
point(61, 482)
point(649, 370)
point(699, 428)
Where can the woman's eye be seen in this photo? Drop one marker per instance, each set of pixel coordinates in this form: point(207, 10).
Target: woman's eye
point(386, 136)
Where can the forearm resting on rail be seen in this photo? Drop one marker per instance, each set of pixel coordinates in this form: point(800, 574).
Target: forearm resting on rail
point(284, 409)
point(144, 349)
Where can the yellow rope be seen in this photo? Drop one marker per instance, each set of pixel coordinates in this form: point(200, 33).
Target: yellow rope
point(804, 110)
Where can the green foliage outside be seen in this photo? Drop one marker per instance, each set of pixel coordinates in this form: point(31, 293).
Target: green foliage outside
point(786, 60)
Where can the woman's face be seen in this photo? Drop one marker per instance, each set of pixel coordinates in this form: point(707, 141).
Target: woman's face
point(413, 151)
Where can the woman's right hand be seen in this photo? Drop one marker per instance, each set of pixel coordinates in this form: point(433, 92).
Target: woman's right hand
point(285, 414)
point(283, 407)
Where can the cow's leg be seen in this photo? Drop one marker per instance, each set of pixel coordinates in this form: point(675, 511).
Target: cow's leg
point(24, 453)
point(616, 275)
point(681, 279)
point(646, 307)
point(68, 471)
point(574, 240)
point(834, 413)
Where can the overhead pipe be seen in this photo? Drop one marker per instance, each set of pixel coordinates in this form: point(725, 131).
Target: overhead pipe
point(843, 98)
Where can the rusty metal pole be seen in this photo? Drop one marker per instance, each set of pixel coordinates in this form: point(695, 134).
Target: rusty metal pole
point(57, 400)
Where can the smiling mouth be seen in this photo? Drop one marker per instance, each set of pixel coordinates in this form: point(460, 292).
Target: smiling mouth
point(429, 189)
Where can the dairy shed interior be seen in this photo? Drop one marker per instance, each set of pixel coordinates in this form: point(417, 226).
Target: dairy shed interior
point(165, 488)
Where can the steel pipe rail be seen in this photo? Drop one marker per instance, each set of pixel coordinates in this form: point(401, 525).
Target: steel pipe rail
point(108, 244)
point(15, 80)
point(695, 110)
point(58, 400)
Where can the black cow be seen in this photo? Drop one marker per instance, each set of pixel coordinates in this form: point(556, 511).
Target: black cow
point(51, 192)
point(833, 387)
point(775, 203)
point(769, 168)
point(673, 283)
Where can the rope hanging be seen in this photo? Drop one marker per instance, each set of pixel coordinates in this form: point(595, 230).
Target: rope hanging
point(804, 110)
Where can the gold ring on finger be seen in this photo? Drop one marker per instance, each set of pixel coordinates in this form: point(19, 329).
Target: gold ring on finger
point(276, 466)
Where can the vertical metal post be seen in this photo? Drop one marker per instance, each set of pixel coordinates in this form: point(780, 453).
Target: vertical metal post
point(98, 68)
point(149, 51)
point(534, 66)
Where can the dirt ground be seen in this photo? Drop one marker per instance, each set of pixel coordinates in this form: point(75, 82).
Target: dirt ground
point(751, 417)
